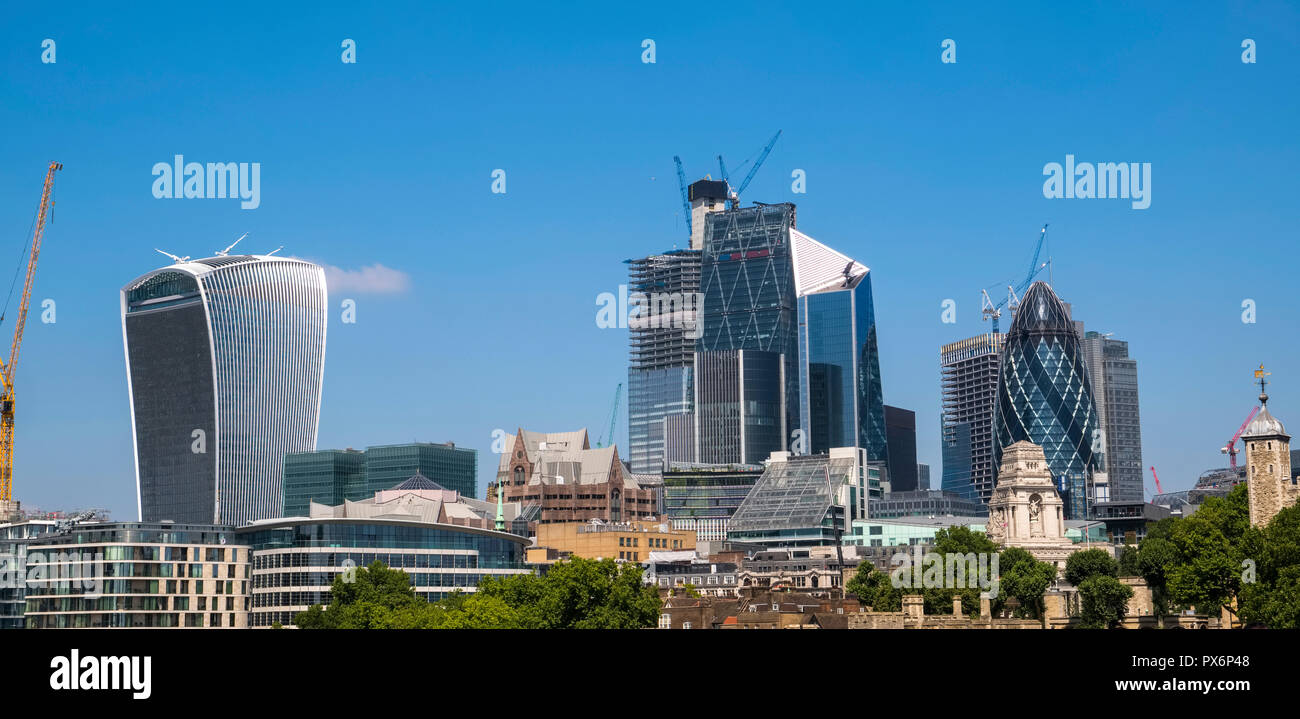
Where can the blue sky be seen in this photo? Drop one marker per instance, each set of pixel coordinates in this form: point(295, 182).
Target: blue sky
point(929, 173)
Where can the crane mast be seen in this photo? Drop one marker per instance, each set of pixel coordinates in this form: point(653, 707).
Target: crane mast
point(7, 369)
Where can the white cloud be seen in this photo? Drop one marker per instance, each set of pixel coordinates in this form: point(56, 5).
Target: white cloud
point(371, 279)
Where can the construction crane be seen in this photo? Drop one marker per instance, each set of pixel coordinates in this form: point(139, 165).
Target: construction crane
point(7, 369)
point(613, 418)
point(733, 195)
point(1230, 448)
point(992, 311)
point(686, 198)
point(1157, 479)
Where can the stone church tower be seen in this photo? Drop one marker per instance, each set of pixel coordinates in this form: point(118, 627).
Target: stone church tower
point(1268, 462)
point(1025, 510)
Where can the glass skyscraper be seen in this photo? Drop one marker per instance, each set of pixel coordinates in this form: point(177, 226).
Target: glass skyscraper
point(841, 402)
point(747, 382)
point(663, 334)
point(969, 369)
point(1115, 392)
point(1045, 396)
point(225, 358)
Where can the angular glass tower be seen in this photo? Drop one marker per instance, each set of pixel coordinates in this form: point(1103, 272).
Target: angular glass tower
point(1045, 396)
point(841, 403)
point(225, 358)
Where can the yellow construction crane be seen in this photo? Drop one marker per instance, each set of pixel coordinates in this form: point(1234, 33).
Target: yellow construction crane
point(7, 368)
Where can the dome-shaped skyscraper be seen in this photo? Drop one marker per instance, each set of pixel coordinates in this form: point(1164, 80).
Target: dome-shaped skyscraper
point(1045, 397)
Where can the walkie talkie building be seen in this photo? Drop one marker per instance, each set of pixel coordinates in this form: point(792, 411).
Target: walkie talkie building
point(225, 358)
point(1045, 397)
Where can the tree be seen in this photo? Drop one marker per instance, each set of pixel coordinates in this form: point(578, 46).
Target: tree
point(1105, 601)
point(959, 540)
point(875, 589)
point(579, 594)
point(1156, 555)
point(374, 597)
point(1089, 563)
point(1128, 562)
point(1211, 546)
point(1273, 598)
point(1024, 578)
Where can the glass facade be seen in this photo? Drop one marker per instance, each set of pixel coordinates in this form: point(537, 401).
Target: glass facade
point(702, 498)
point(14, 539)
point(225, 359)
point(331, 476)
point(139, 575)
point(663, 328)
point(841, 400)
point(653, 395)
point(294, 563)
point(969, 370)
point(749, 306)
point(1045, 397)
point(804, 500)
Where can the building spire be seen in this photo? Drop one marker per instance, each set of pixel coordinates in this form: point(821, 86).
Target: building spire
point(501, 514)
point(1260, 374)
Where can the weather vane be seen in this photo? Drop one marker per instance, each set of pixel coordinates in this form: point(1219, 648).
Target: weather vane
point(1260, 374)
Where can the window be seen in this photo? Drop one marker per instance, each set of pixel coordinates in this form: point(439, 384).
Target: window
point(686, 625)
point(665, 621)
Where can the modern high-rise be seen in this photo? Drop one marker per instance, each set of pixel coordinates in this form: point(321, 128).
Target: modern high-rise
point(900, 428)
point(969, 371)
point(702, 497)
point(332, 476)
point(746, 379)
point(1045, 397)
point(225, 357)
point(1115, 392)
point(841, 403)
point(663, 333)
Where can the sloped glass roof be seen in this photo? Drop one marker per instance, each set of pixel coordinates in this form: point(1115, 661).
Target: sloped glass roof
point(792, 494)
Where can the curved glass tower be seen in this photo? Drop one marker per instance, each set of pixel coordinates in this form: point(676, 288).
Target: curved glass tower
point(1044, 396)
point(225, 358)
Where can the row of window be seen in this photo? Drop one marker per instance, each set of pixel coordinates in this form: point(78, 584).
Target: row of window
point(93, 621)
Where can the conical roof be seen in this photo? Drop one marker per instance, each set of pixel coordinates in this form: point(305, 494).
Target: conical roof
point(418, 481)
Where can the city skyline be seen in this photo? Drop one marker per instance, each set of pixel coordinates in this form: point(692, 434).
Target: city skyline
point(1173, 272)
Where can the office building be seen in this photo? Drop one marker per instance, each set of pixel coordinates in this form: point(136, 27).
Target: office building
point(840, 396)
point(444, 541)
point(225, 357)
point(1045, 397)
point(624, 541)
point(922, 477)
point(335, 476)
point(97, 575)
point(569, 481)
point(14, 538)
point(926, 503)
point(900, 429)
point(969, 370)
point(701, 498)
point(662, 335)
point(806, 500)
point(747, 380)
point(1115, 393)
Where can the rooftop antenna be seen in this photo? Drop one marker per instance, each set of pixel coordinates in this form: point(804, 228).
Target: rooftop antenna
point(226, 251)
point(178, 260)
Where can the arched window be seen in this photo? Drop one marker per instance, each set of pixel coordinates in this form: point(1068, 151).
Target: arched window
point(519, 475)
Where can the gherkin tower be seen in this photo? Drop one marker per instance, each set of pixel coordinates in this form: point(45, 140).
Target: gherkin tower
point(1045, 397)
